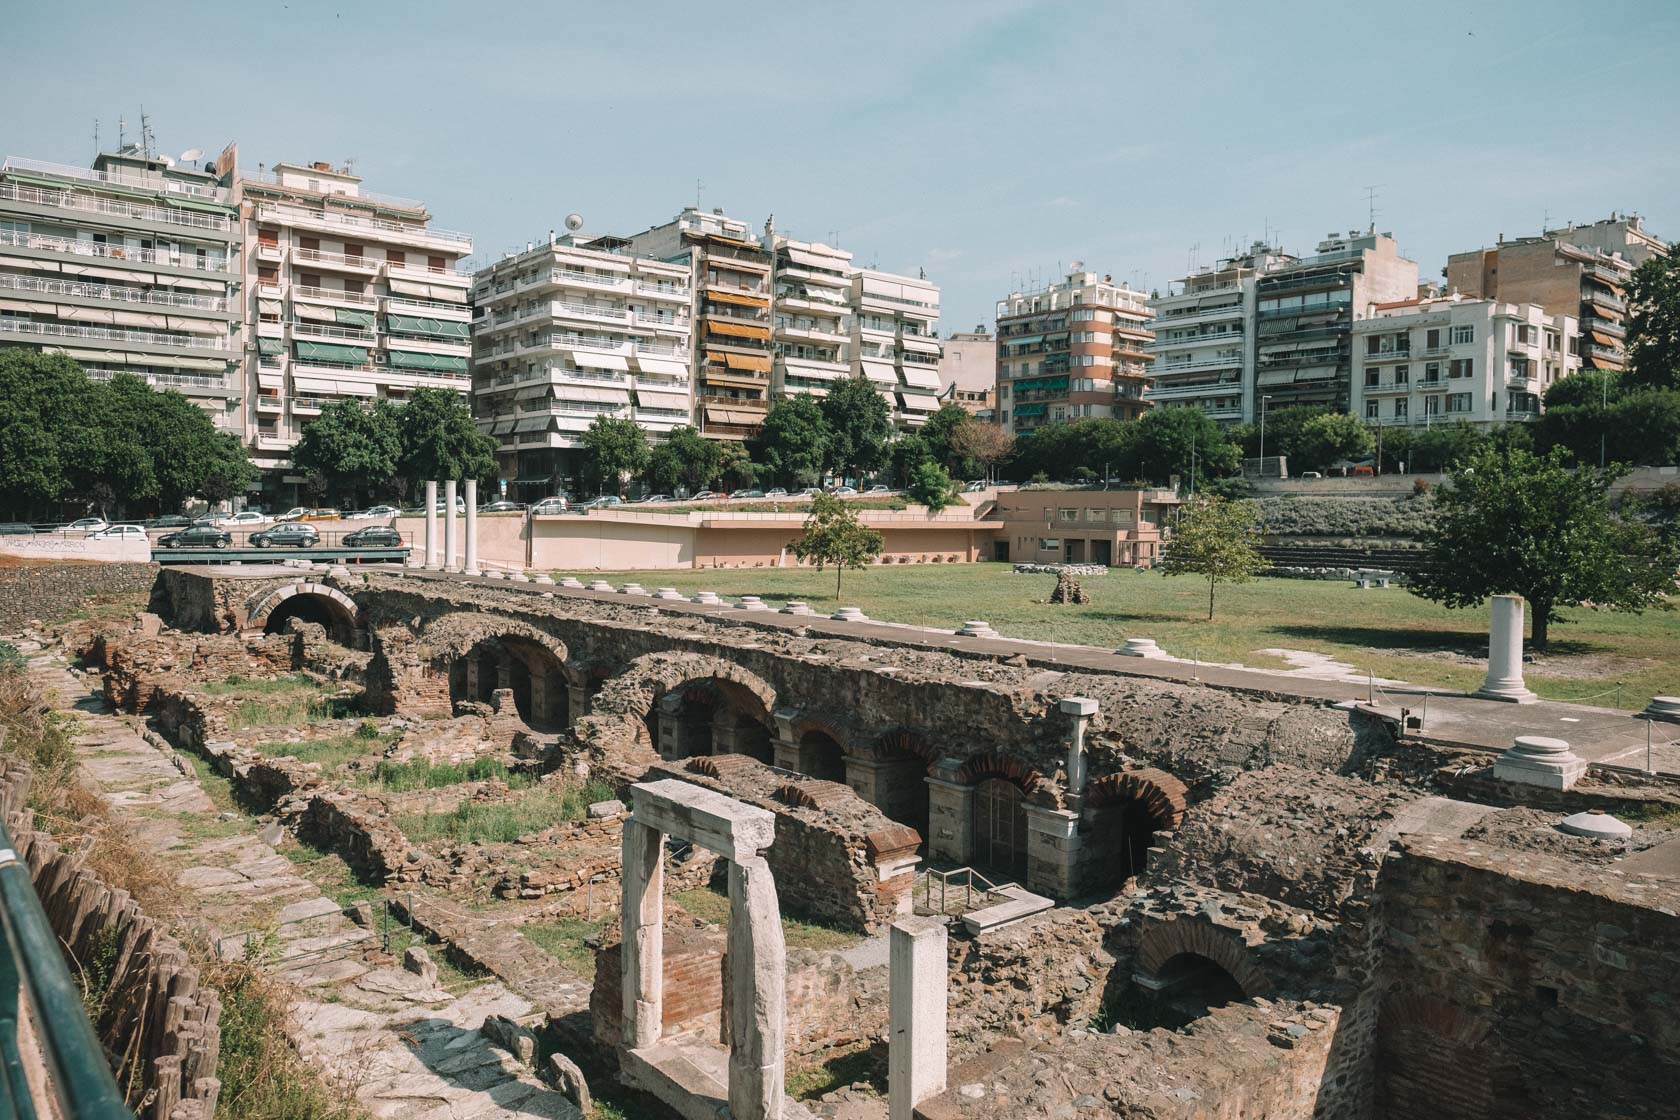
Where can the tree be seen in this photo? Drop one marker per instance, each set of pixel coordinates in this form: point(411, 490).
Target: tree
point(1215, 538)
point(353, 448)
point(833, 535)
point(616, 450)
point(941, 429)
point(793, 441)
point(930, 484)
point(735, 466)
point(1654, 325)
point(440, 441)
point(686, 459)
point(1512, 522)
point(1331, 438)
point(859, 425)
point(1181, 441)
point(986, 444)
point(906, 454)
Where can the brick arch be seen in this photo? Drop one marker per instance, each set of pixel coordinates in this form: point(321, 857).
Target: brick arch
point(803, 726)
point(1439, 1059)
point(635, 690)
point(454, 635)
point(1003, 766)
point(1164, 941)
point(895, 743)
point(347, 615)
point(1161, 795)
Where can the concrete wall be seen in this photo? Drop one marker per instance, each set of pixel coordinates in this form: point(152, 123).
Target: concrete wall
point(501, 538)
point(55, 546)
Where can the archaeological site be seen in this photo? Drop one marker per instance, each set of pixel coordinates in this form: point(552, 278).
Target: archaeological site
point(518, 849)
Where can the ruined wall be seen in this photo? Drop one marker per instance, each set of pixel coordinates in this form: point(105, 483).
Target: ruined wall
point(50, 592)
point(1525, 985)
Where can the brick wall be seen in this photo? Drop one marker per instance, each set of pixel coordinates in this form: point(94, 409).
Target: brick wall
point(52, 592)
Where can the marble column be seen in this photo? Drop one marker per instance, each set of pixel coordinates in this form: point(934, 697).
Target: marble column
point(472, 527)
point(643, 930)
point(1505, 653)
point(449, 562)
point(917, 977)
point(757, 992)
point(1081, 708)
point(431, 558)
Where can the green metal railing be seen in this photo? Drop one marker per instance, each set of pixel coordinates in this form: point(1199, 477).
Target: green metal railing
point(32, 966)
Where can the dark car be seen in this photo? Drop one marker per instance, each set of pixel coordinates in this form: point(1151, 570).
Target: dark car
point(170, 521)
point(501, 507)
point(374, 536)
point(16, 529)
point(299, 534)
point(197, 536)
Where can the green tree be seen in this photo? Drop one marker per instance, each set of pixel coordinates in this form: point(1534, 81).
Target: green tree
point(833, 535)
point(1168, 441)
point(1215, 538)
point(985, 444)
point(859, 425)
point(687, 459)
point(616, 451)
point(354, 449)
point(735, 466)
point(1512, 522)
point(440, 441)
point(1654, 325)
point(1331, 438)
point(930, 484)
point(793, 441)
point(939, 432)
point(905, 455)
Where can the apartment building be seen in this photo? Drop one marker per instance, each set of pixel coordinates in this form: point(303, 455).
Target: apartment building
point(128, 266)
point(1304, 315)
point(350, 295)
point(568, 330)
point(730, 275)
point(1578, 270)
point(1078, 347)
point(1204, 337)
point(895, 342)
point(1429, 361)
point(968, 372)
point(810, 315)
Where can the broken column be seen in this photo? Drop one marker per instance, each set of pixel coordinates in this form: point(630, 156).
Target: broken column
point(429, 558)
point(1536, 760)
point(917, 975)
point(643, 918)
point(449, 564)
point(1505, 653)
point(471, 568)
point(1081, 708)
point(757, 982)
point(1053, 844)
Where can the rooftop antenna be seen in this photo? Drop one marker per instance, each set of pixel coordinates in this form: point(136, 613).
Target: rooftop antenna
point(1371, 207)
point(698, 187)
point(1545, 221)
point(145, 133)
point(96, 137)
point(122, 132)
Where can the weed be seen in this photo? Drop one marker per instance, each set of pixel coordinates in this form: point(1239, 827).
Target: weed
point(711, 905)
point(563, 939)
point(504, 821)
point(402, 777)
point(263, 1077)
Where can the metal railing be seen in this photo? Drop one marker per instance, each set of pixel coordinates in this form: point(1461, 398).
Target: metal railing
point(66, 200)
point(88, 174)
point(153, 297)
point(395, 303)
point(319, 257)
point(113, 334)
point(32, 968)
point(963, 888)
point(289, 214)
point(81, 248)
point(309, 291)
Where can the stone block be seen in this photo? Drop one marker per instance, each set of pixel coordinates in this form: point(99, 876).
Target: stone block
point(1537, 760)
point(709, 819)
point(565, 1076)
point(418, 961)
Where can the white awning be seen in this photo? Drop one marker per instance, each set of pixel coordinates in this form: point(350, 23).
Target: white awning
point(566, 393)
point(24, 307)
point(925, 376)
point(881, 373)
point(140, 319)
point(23, 262)
point(186, 282)
point(197, 326)
point(665, 367)
point(333, 387)
point(910, 402)
point(803, 367)
point(268, 307)
point(270, 379)
point(531, 393)
point(814, 260)
point(310, 311)
point(532, 423)
point(128, 277)
point(647, 398)
point(825, 295)
point(925, 345)
point(600, 361)
point(218, 364)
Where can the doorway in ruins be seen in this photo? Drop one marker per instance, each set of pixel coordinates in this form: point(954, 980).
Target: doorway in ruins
point(1184, 989)
point(1000, 828)
point(710, 716)
point(1121, 816)
point(338, 620)
point(508, 661)
point(823, 755)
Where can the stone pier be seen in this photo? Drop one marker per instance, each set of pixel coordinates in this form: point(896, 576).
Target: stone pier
point(1505, 653)
point(450, 564)
point(431, 556)
point(917, 979)
point(471, 567)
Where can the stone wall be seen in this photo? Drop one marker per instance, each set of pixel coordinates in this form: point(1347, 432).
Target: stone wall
point(51, 592)
point(1525, 985)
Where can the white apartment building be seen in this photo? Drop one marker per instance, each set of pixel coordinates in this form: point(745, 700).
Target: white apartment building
point(567, 331)
point(350, 294)
point(810, 315)
point(1429, 361)
point(895, 341)
point(128, 266)
point(1204, 337)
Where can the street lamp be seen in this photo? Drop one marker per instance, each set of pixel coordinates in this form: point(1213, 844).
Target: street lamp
point(1263, 399)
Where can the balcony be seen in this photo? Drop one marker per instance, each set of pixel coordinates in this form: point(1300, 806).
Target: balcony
point(593, 312)
point(113, 334)
point(1165, 320)
point(435, 308)
point(1272, 285)
point(1604, 299)
point(305, 329)
point(1387, 356)
point(1158, 392)
point(573, 276)
point(87, 204)
point(1226, 361)
point(372, 228)
point(158, 185)
point(1372, 387)
point(82, 248)
point(269, 403)
point(336, 260)
point(1605, 273)
point(680, 295)
point(413, 270)
point(1522, 414)
point(313, 294)
point(73, 289)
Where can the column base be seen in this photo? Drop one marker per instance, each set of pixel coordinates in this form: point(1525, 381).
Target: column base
point(1508, 692)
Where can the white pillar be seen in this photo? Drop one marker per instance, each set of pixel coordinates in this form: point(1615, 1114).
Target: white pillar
point(472, 527)
point(642, 948)
point(757, 992)
point(1505, 652)
point(916, 983)
point(1081, 708)
point(449, 562)
point(431, 557)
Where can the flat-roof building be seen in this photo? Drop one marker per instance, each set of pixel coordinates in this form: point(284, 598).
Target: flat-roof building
point(968, 371)
point(895, 341)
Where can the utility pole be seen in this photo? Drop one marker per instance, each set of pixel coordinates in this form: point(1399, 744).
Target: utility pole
point(1603, 413)
point(1379, 449)
point(1263, 399)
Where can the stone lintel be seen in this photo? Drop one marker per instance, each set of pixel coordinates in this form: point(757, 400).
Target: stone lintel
point(705, 817)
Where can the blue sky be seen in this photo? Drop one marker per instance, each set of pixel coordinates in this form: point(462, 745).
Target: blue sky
point(987, 142)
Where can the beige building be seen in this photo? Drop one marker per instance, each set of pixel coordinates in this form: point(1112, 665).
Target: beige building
point(895, 341)
point(1580, 271)
point(810, 315)
point(1419, 362)
point(1112, 527)
point(968, 372)
point(567, 331)
point(350, 295)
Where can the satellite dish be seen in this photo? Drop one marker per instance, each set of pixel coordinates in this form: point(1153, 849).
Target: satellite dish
point(574, 222)
point(191, 154)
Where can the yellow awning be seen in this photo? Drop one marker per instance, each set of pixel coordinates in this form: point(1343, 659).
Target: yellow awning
point(1602, 339)
point(748, 361)
point(737, 330)
point(715, 376)
point(743, 301)
point(720, 415)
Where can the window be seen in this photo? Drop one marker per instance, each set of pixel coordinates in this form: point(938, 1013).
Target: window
point(1432, 338)
point(1431, 372)
point(352, 250)
point(1123, 517)
point(1067, 515)
point(1401, 408)
point(309, 279)
point(1371, 344)
point(1402, 374)
point(1372, 378)
point(1554, 342)
point(1371, 409)
point(396, 257)
point(1458, 402)
point(1464, 332)
point(1432, 406)
point(1049, 544)
point(435, 264)
point(1461, 367)
point(1525, 334)
point(1096, 516)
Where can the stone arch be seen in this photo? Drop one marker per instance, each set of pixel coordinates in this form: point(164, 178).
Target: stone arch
point(821, 748)
point(1006, 768)
point(636, 689)
point(1166, 942)
point(483, 655)
point(1439, 1059)
point(890, 772)
point(1121, 817)
point(269, 611)
point(694, 704)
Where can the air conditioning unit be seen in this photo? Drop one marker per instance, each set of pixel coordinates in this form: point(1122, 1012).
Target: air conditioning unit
point(379, 358)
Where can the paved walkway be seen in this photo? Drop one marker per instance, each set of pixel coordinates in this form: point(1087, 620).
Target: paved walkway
point(411, 1049)
point(1600, 735)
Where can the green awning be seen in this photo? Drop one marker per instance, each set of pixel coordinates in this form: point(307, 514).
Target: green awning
point(345, 317)
point(37, 181)
point(405, 359)
point(270, 346)
point(1021, 340)
point(1030, 409)
point(1052, 383)
point(327, 352)
point(439, 328)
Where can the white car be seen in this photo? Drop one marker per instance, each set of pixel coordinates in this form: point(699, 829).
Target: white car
point(293, 514)
point(380, 511)
point(549, 506)
point(85, 525)
point(245, 519)
point(120, 533)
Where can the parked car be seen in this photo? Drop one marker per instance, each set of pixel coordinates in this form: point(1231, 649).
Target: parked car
point(298, 534)
point(706, 496)
point(119, 533)
point(747, 494)
point(197, 536)
point(649, 499)
point(974, 488)
point(325, 513)
point(844, 491)
point(809, 492)
point(879, 489)
point(293, 514)
point(1312, 474)
point(85, 525)
point(602, 502)
point(775, 492)
point(242, 520)
point(381, 511)
point(501, 507)
point(374, 536)
point(169, 521)
point(550, 506)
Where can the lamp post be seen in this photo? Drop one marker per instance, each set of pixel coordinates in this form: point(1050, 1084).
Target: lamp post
point(1603, 409)
point(1263, 399)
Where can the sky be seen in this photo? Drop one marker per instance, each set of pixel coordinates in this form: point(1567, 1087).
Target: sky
point(990, 143)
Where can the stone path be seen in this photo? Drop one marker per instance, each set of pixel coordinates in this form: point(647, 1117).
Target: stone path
point(411, 1049)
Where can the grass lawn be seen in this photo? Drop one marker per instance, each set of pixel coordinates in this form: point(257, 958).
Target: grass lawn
point(281, 701)
point(563, 939)
point(713, 906)
point(502, 821)
point(1390, 633)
